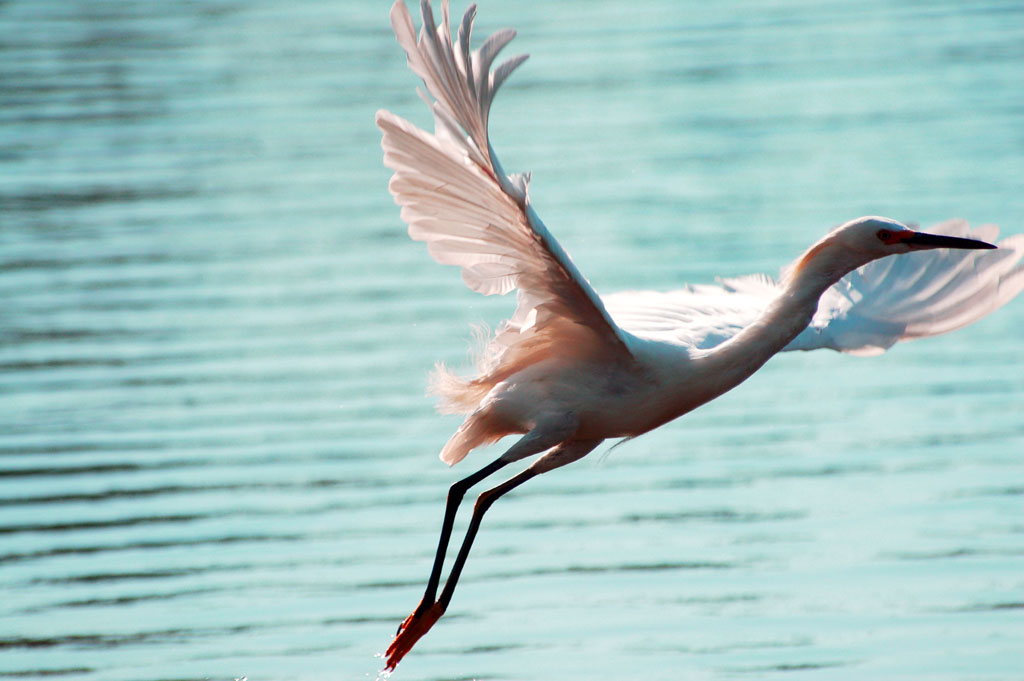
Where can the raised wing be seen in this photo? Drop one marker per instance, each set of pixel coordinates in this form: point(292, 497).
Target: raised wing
point(866, 312)
point(456, 197)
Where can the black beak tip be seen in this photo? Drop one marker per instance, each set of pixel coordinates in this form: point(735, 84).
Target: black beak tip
point(941, 241)
point(980, 245)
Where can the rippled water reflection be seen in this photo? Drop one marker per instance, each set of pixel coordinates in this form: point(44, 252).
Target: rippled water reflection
point(216, 458)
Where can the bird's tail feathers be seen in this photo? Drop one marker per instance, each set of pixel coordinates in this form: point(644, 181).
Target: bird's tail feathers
point(457, 394)
point(482, 427)
point(460, 394)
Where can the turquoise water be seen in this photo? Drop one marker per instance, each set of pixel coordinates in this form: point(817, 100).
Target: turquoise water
point(216, 456)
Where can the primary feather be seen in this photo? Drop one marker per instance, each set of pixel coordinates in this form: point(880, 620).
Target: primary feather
point(456, 197)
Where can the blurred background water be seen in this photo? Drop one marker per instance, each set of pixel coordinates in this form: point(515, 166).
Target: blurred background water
point(216, 456)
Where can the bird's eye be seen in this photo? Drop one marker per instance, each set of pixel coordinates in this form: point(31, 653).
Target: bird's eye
point(885, 236)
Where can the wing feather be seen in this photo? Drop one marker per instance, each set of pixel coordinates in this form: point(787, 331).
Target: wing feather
point(456, 197)
point(697, 317)
point(917, 295)
point(886, 301)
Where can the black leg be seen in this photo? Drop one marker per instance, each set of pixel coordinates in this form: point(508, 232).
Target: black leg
point(560, 456)
point(455, 495)
point(483, 502)
point(543, 436)
point(539, 439)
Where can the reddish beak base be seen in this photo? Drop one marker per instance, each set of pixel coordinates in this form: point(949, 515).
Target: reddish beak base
point(412, 629)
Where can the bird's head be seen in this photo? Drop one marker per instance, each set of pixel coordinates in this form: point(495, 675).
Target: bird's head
point(878, 237)
point(860, 241)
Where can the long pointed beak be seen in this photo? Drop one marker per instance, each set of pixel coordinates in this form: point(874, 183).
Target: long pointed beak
point(922, 241)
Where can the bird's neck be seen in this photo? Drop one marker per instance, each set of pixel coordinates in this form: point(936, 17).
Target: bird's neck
point(780, 322)
point(709, 374)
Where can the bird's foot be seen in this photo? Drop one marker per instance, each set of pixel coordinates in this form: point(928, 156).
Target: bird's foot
point(414, 626)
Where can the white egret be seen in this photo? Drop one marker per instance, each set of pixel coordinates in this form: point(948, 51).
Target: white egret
point(571, 369)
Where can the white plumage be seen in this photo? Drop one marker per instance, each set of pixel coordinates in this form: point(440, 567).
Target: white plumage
point(569, 369)
point(864, 313)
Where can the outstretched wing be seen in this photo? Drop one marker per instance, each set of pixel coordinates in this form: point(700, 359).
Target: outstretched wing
point(698, 317)
point(886, 301)
point(917, 294)
point(456, 197)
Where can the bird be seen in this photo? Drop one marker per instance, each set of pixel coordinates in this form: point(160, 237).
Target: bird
point(571, 369)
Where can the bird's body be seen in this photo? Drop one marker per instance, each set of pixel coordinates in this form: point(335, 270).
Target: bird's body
point(569, 369)
point(666, 364)
point(620, 397)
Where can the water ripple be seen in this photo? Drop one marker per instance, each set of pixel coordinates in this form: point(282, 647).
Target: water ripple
point(216, 456)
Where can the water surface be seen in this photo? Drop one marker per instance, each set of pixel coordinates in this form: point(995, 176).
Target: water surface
point(216, 456)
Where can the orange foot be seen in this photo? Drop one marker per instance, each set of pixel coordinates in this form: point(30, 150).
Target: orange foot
point(411, 630)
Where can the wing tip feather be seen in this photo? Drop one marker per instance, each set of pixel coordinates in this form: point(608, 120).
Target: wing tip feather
point(933, 293)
